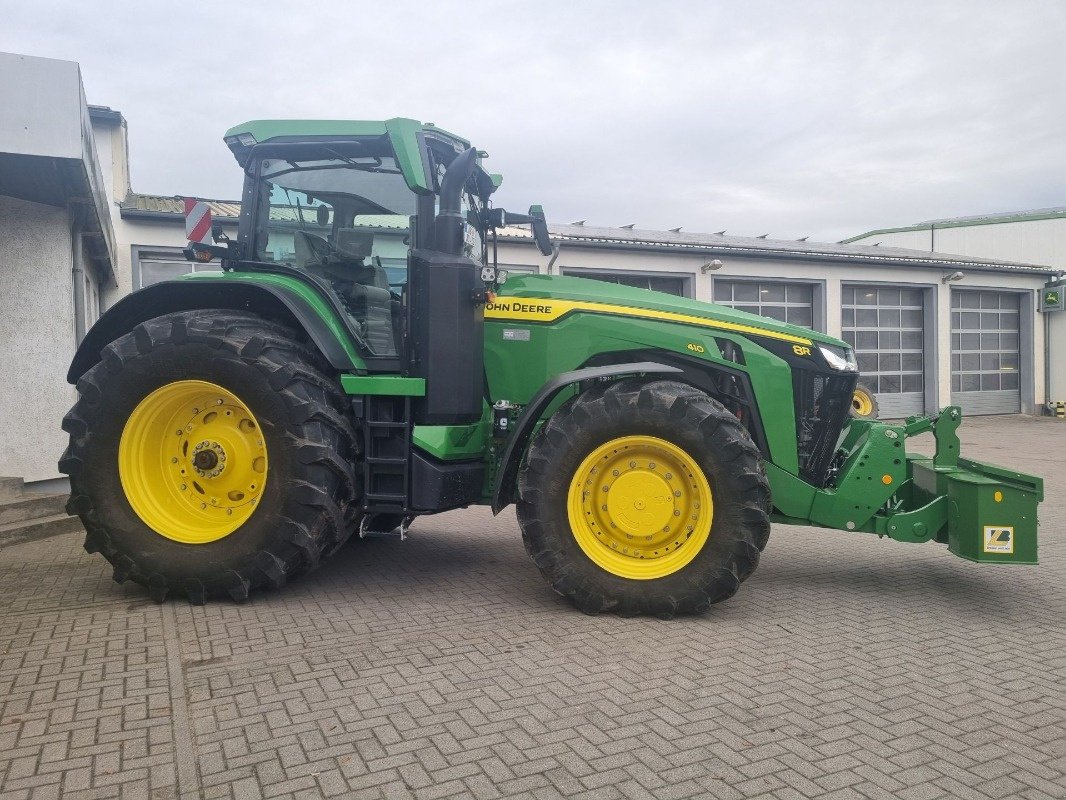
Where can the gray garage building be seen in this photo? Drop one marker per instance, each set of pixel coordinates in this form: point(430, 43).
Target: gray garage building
point(929, 329)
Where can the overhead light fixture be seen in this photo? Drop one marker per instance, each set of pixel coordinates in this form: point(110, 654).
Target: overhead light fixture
point(954, 276)
point(711, 265)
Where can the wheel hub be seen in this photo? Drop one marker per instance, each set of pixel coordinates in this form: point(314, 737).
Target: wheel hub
point(209, 459)
point(640, 501)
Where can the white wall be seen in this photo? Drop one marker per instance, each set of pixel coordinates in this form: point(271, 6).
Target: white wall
point(42, 105)
point(1041, 241)
point(1056, 332)
point(144, 233)
point(36, 337)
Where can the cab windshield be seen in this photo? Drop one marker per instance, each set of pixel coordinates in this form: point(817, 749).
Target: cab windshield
point(346, 220)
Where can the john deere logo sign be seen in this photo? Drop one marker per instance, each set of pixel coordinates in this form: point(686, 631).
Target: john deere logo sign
point(1052, 300)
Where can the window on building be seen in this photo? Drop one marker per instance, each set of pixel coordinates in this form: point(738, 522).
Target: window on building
point(157, 266)
point(786, 302)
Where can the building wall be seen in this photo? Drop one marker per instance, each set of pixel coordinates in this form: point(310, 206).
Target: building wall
point(1055, 325)
point(141, 233)
point(36, 337)
point(1041, 241)
point(43, 102)
point(829, 278)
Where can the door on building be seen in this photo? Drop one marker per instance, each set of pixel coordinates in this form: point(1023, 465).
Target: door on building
point(986, 351)
point(787, 302)
point(886, 326)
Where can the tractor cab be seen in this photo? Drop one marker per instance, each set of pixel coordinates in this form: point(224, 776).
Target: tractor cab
point(348, 206)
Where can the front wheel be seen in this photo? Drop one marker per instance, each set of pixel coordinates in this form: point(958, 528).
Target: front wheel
point(644, 498)
point(864, 403)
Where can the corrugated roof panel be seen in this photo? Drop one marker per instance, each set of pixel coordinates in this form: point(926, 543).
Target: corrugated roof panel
point(700, 242)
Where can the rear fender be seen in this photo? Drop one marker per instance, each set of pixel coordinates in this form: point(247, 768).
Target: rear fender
point(274, 297)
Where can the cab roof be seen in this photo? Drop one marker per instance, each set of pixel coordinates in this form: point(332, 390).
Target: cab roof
point(404, 135)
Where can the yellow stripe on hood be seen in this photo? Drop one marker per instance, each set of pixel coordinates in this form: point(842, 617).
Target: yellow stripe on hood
point(532, 309)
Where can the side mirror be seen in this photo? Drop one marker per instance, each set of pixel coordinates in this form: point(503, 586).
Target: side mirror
point(493, 218)
point(540, 230)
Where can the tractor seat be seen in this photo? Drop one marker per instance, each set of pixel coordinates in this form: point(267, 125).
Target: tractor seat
point(371, 300)
point(364, 286)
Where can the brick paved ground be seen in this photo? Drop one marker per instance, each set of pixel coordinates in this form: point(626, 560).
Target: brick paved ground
point(442, 666)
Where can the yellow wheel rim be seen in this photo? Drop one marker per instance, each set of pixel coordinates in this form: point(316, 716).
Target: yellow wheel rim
point(192, 462)
point(640, 507)
point(862, 403)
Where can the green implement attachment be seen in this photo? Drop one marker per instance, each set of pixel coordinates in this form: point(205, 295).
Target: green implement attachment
point(980, 511)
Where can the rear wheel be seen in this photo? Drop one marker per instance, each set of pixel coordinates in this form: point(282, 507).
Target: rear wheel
point(209, 456)
point(644, 498)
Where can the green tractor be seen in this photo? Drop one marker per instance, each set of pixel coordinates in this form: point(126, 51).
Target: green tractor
point(360, 360)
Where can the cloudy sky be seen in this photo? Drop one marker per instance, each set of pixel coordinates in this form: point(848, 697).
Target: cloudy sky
point(789, 118)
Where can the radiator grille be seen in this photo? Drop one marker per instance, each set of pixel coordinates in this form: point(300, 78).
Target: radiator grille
point(822, 405)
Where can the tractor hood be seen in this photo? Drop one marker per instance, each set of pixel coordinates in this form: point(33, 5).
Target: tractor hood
point(586, 295)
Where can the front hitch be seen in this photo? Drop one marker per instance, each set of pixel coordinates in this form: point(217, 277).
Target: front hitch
point(982, 512)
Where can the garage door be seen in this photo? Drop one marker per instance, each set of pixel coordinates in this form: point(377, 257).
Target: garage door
point(787, 302)
point(886, 326)
point(985, 351)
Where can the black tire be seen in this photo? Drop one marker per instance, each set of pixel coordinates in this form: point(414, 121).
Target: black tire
point(686, 417)
point(864, 403)
point(309, 503)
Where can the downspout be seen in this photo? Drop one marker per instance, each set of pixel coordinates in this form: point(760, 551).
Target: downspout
point(554, 258)
point(78, 274)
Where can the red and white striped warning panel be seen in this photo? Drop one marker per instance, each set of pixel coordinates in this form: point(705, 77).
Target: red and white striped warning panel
point(197, 221)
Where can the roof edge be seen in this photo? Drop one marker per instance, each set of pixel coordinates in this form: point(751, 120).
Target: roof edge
point(968, 223)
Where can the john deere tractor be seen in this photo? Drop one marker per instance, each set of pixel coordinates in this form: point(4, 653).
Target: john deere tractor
point(356, 359)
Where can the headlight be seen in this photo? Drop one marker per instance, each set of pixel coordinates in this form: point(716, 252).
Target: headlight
point(839, 358)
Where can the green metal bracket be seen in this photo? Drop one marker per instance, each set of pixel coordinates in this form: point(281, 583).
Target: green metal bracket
point(945, 426)
point(874, 470)
point(395, 385)
point(919, 525)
